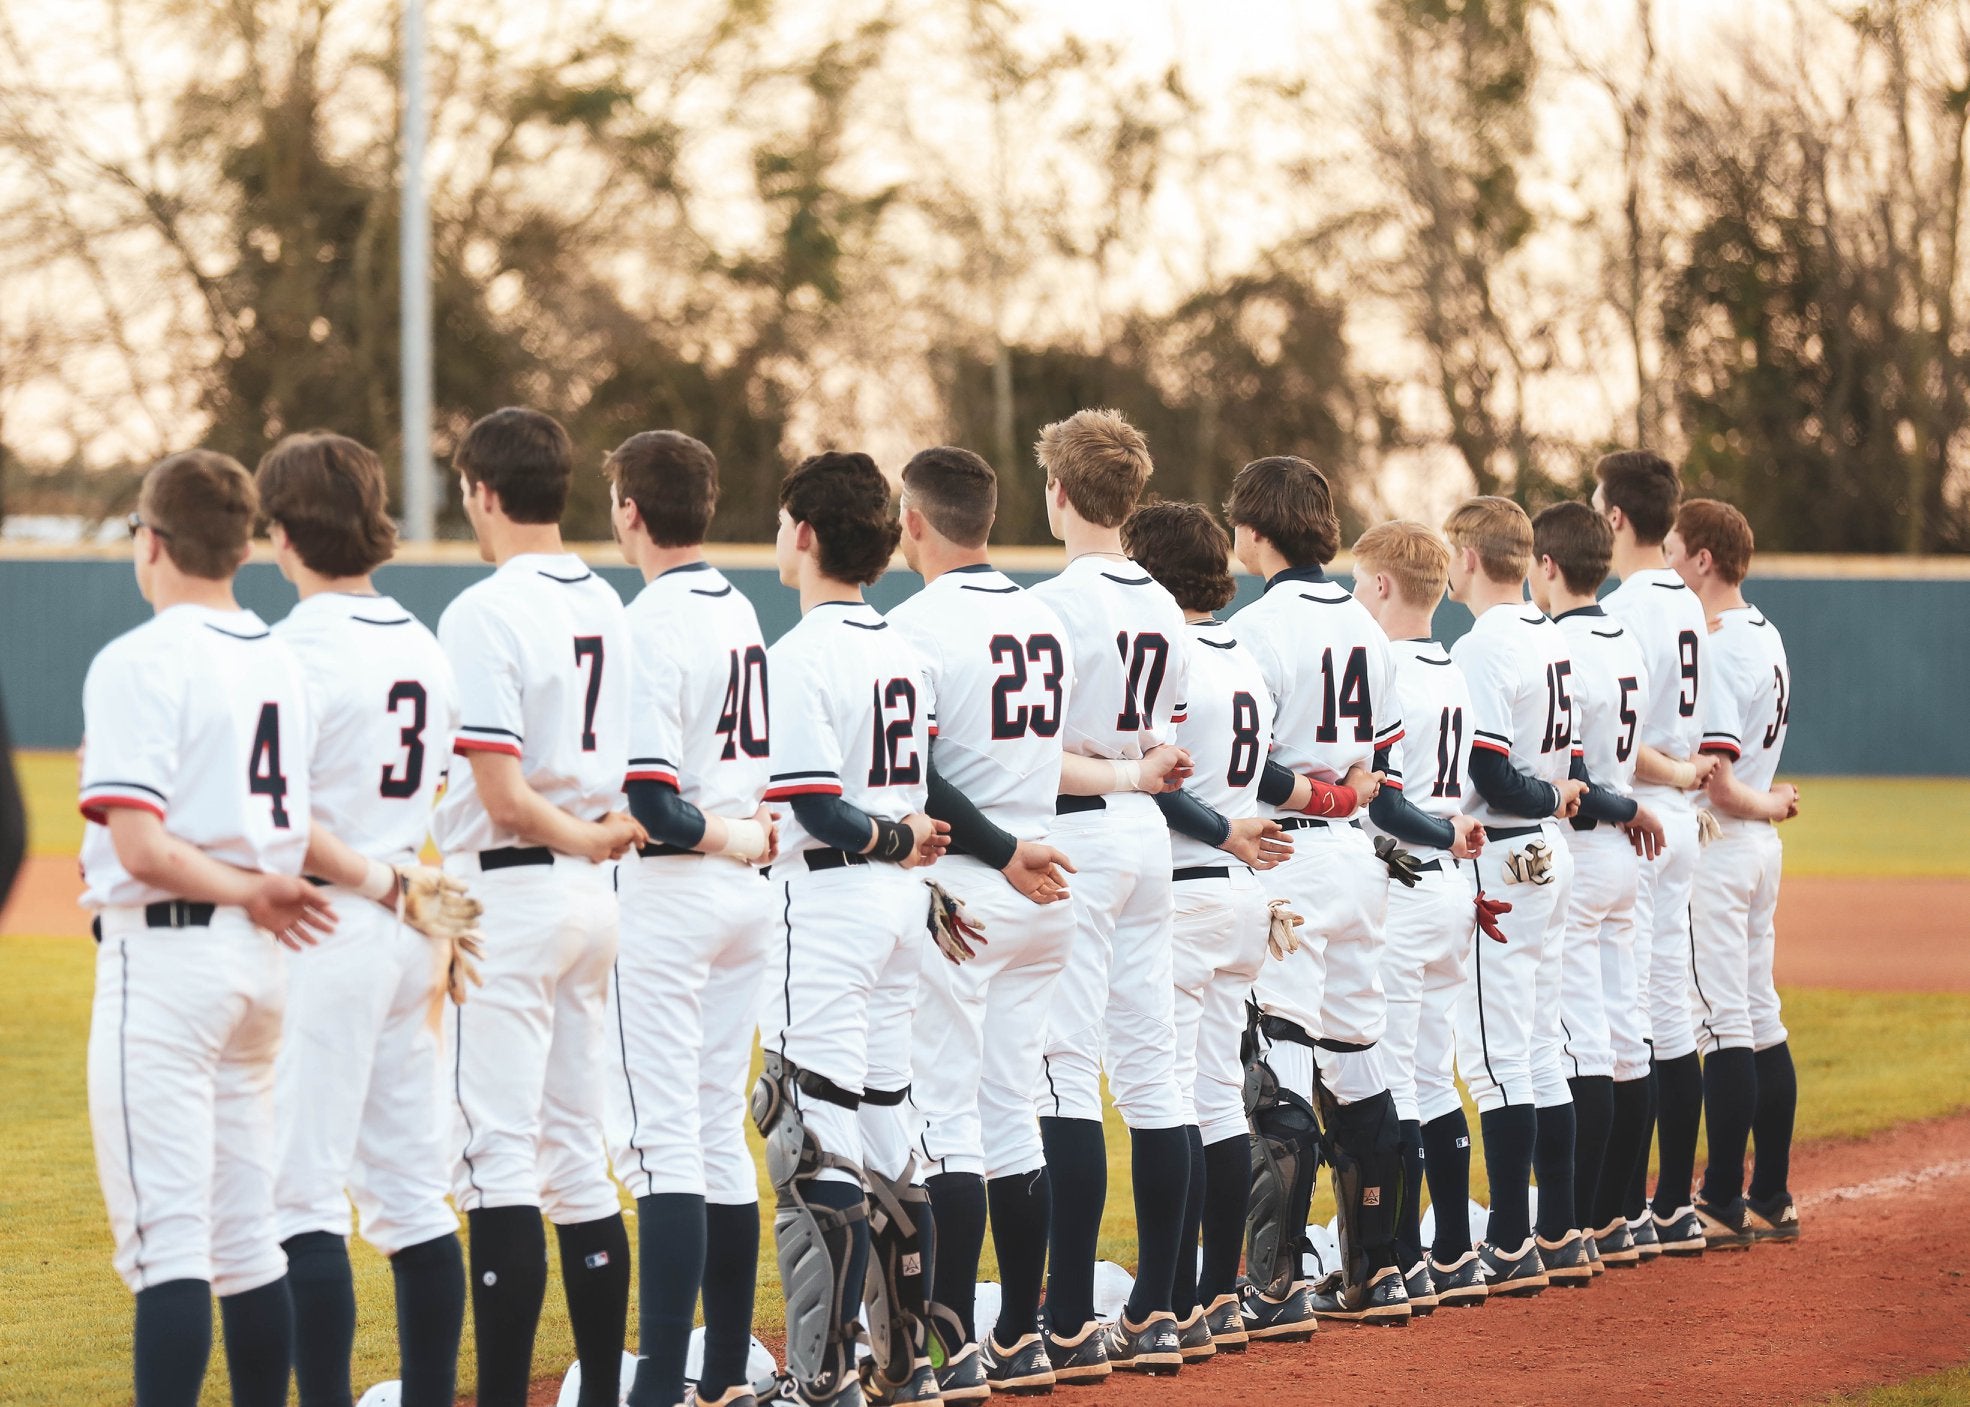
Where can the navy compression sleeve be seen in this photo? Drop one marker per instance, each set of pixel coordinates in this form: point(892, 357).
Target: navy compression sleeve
point(1509, 790)
point(1392, 811)
point(833, 821)
point(1276, 783)
point(668, 817)
point(1186, 815)
point(972, 833)
point(1601, 803)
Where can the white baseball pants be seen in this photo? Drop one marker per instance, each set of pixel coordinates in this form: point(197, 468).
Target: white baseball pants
point(981, 1028)
point(1599, 956)
point(528, 1048)
point(1423, 963)
point(1508, 1037)
point(840, 995)
point(182, 1038)
point(361, 1083)
point(683, 1005)
point(1113, 1007)
point(1218, 946)
point(1662, 924)
point(1332, 987)
point(1732, 938)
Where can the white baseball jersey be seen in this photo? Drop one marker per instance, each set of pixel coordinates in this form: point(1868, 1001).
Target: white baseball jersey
point(1610, 684)
point(1227, 730)
point(852, 716)
point(1430, 765)
point(1126, 634)
point(542, 662)
point(1667, 622)
point(200, 717)
point(1328, 667)
point(1748, 699)
point(1520, 676)
point(698, 694)
point(381, 694)
point(998, 661)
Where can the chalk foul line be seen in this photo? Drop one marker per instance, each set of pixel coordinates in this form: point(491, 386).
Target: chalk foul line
point(1895, 1182)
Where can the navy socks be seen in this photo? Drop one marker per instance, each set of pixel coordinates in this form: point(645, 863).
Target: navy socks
point(1730, 1101)
point(323, 1294)
point(595, 1278)
point(1771, 1126)
point(670, 1239)
point(1227, 1195)
point(1022, 1220)
point(1508, 1137)
point(1552, 1162)
point(1160, 1168)
point(1077, 1167)
point(957, 1208)
point(1183, 1281)
point(1593, 1118)
point(430, 1284)
point(259, 1326)
point(509, 1281)
point(1679, 1109)
point(1447, 1168)
point(173, 1342)
point(731, 1275)
point(1627, 1150)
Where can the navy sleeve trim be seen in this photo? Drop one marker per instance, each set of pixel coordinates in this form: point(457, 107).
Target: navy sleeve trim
point(1187, 815)
point(667, 816)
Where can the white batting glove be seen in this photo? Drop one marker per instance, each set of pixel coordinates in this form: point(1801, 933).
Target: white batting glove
point(1282, 932)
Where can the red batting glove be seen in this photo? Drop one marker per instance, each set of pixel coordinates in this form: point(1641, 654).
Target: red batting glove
point(1330, 799)
point(1488, 910)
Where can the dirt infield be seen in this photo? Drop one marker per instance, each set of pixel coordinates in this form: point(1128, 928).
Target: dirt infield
point(1905, 935)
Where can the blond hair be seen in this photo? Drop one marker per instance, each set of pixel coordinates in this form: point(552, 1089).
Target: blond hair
point(1498, 531)
point(1101, 461)
point(1413, 554)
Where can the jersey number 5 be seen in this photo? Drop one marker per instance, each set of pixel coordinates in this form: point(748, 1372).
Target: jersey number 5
point(401, 786)
point(736, 715)
point(1624, 746)
point(263, 774)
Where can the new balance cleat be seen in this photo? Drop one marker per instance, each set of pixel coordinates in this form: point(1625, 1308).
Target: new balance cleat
point(1381, 1300)
point(921, 1385)
point(1194, 1337)
point(1459, 1285)
point(1022, 1370)
point(1681, 1232)
point(1288, 1320)
point(1512, 1274)
point(1081, 1359)
point(1152, 1346)
point(1774, 1220)
point(741, 1395)
point(1593, 1253)
point(962, 1377)
point(1615, 1245)
point(1225, 1318)
point(1725, 1228)
point(1421, 1290)
point(1648, 1246)
point(1566, 1260)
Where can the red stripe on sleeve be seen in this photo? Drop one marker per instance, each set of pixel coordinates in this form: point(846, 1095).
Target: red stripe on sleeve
point(803, 789)
point(93, 808)
point(1491, 746)
point(1730, 750)
point(464, 745)
point(651, 777)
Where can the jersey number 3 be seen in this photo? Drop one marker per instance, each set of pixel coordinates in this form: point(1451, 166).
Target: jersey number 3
point(402, 785)
point(263, 774)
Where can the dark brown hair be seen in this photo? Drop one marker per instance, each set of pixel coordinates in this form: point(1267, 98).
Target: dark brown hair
point(673, 481)
point(1289, 503)
point(1101, 461)
point(1182, 546)
point(327, 493)
point(1708, 525)
point(525, 457)
point(1579, 541)
point(845, 499)
point(956, 491)
point(201, 504)
point(1645, 487)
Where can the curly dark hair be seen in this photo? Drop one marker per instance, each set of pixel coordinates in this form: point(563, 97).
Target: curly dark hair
point(1288, 501)
point(845, 499)
point(1182, 546)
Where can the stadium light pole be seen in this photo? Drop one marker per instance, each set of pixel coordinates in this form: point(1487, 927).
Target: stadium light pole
point(414, 289)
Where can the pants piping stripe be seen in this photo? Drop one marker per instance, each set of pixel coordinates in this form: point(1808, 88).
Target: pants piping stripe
point(123, 1098)
point(1696, 979)
point(1478, 941)
point(628, 1084)
point(458, 1095)
point(786, 983)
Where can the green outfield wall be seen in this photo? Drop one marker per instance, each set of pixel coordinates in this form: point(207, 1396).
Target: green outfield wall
point(1880, 662)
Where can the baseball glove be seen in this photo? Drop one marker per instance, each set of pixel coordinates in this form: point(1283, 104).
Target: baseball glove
point(439, 907)
point(1404, 868)
point(1488, 910)
point(1282, 933)
point(1532, 865)
point(954, 930)
point(1707, 828)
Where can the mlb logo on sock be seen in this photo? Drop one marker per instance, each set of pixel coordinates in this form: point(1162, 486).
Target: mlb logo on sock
point(913, 1264)
point(597, 1260)
point(1464, 1142)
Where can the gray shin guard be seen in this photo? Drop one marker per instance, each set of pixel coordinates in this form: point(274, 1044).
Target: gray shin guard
point(1364, 1144)
point(1285, 1157)
point(898, 1289)
point(814, 1243)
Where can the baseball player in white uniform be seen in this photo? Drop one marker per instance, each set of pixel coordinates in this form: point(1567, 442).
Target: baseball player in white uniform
point(360, 1081)
point(1113, 1008)
point(1323, 1013)
point(541, 657)
point(1516, 664)
point(999, 662)
point(1611, 837)
point(1400, 572)
point(1749, 1088)
point(851, 721)
point(195, 785)
point(696, 915)
point(1637, 492)
point(1222, 923)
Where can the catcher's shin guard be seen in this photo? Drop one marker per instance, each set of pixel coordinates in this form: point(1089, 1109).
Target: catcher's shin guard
point(1364, 1144)
point(815, 1243)
point(1285, 1157)
point(898, 1288)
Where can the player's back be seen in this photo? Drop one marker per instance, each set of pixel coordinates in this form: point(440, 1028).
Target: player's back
point(1227, 730)
point(999, 660)
point(541, 660)
point(852, 716)
point(700, 692)
point(1751, 708)
point(1519, 672)
point(199, 716)
point(1430, 764)
point(384, 709)
point(1668, 624)
point(1610, 683)
point(1327, 664)
point(1126, 634)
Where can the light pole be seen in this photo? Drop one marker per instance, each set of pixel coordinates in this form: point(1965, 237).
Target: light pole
point(414, 290)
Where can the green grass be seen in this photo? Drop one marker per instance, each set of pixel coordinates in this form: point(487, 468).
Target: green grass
point(1949, 1388)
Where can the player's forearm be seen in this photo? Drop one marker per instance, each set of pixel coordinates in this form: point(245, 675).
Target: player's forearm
point(1395, 814)
point(518, 809)
point(154, 857)
point(1600, 803)
point(1735, 799)
point(1187, 814)
point(972, 831)
point(1091, 776)
point(1662, 770)
point(670, 819)
point(1507, 789)
point(835, 822)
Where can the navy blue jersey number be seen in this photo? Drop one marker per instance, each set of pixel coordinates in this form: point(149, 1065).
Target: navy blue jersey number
point(1145, 659)
point(589, 647)
point(263, 774)
point(1015, 720)
point(742, 716)
point(402, 779)
point(893, 760)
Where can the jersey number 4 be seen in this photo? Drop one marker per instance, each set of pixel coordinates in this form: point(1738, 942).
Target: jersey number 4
point(263, 774)
point(741, 722)
point(1016, 720)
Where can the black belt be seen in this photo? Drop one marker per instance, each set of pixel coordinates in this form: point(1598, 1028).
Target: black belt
point(1308, 823)
point(1510, 832)
point(168, 913)
point(1073, 805)
point(658, 847)
point(833, 859)
point(512, 857)
point(1184, 872)
point(1428, 866)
